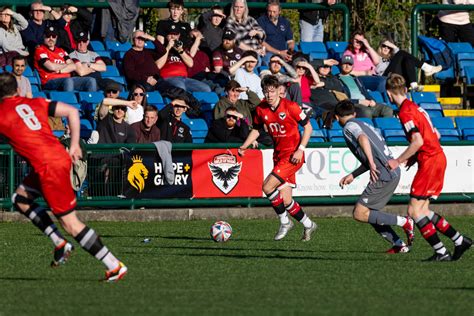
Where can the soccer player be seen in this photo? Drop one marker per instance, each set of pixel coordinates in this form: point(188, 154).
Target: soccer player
point(281, 118)
point(370, 149)
point(425, 149)
point(25, 125)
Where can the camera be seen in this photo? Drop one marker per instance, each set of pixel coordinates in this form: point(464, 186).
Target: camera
point(178, 44)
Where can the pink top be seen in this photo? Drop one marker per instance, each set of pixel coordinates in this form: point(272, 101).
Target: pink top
point(305, 89)
point(362, 61)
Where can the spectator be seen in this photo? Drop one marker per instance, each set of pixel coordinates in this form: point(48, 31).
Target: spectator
point(55, 67)
point(306, 77)
point(232, 99)
point(175, 22)
point(170, 122)
point(19, 66)
point(395, 60)
point(70, 28)
point(311, 21)
point(138, 94)
point(111, 93)
point(227, 55)
point(365, 105)
point(364, 56)
point(175, 62)
point(291, 88)
point(211, 26)
point(139, 62)
point(248, 33)
point(325, 97)
point(146, 130)
point(279, 40)
point(113, 128)
point(245, 75)
point(456, 26)
point(230, 129)
point(88, 63)
point(11, 44)
point(33, 35)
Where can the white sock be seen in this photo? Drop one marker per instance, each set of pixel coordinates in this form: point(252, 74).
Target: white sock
point(56, 239)
point(307, 223)
point(458, 238)
point(284, 219)
point(426, 67)
point(401, 221)
point(110, 261)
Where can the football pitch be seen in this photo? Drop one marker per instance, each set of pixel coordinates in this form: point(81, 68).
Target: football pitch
point(342, 271)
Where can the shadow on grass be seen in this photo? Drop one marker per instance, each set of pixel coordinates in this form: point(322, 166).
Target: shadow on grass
point(23, 279)
point(462, 288)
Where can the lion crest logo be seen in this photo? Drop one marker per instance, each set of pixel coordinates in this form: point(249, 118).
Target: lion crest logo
point(225, 172)
point(137, 174)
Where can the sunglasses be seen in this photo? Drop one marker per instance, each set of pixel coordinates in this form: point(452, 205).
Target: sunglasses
point(51, 36)
point(385, 46)
point(112, 91)
point(179, 106)
point(274, 61)
point(37, 11)
point(136, 94)
point(230, 116)
point(299, 67)
point(123, 108)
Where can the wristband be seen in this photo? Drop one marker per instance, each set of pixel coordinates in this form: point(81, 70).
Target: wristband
point(302, 147)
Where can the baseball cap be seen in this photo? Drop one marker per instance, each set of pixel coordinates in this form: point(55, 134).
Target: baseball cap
point(347, 59)
point(229, 35)
point(51, 30)
point(113, 85)
point(82, 36)
point(172, 29)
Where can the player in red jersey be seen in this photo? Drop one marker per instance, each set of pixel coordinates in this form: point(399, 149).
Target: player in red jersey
point(425, 149)
point(25, 124)
point(281, 118)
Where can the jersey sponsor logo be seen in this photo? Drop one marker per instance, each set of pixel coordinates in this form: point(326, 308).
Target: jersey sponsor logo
point(43, 56)
point(282, 28)
point(237, 56)
point(225, 172)
point(137, 174)
point(175, 59)
point(282, 115)
point(276, 128)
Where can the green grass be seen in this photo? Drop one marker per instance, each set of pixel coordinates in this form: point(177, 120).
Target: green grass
point(182, 272)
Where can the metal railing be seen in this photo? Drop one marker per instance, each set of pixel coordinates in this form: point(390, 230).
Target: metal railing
point(420, 8)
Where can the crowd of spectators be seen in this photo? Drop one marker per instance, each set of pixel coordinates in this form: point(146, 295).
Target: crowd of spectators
point(226, 53)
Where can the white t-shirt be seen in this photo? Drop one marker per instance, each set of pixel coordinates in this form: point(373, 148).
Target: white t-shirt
point(134, 116)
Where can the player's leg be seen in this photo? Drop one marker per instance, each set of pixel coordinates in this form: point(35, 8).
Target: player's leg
point(296, 211)
point(419, 210)
point(91, 242)
point(270, 188)
point(461, 243)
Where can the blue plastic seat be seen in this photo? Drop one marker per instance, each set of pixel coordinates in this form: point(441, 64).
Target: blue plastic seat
point(317, 136)
point(66, 97)
point(96, 46)
point(104, 53)
point(149, 45)
point(394, 135)
point(424, 97)
point(91, 97)
point(377, 96)
point(114, 46)
point(198, 128)
point(366, 120)
point(387, 123)
point(468, 134)
point(336, 49)
point(449, 135)
point(469, 75)
point(335, 135)
point(460, 47)
point(443, 122)
point(318, 55)
point(154, 97)
point(86, 128)
point(39, 94)
point(309, 47)
point(373, 83)
point(111, 71)
point(207, 99)
point(465, 126)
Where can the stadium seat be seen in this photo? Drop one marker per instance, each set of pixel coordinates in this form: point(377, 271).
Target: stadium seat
point(318, 55)
point(34, 88)
point(335, 70)
point(96, 46)
point(468, 134)
point(387, 123)
point(373, 83)
point(198, 128)
point(65, 96)
point(309, 47)
point(154, 97)
point(91, 97)
point(445, 126)
point(460, 47)
point(86, 129)
point(335, 135)
point(465, 126)
point(463, 64)
point(336, 49)
point(114, 46)
point(377, 96)
point(394, 135)
point(443, 122)
point(208, 100)
point(424, 97)
point(317, 136)
point(149, 45)
point(111, 71)
point(449, 135)
point(39, 94)
point(104, 53)
point(366, 120)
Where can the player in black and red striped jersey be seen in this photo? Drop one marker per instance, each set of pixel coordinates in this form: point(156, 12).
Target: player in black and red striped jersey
point(281, 118)
point(426, 150)
point(25, 124)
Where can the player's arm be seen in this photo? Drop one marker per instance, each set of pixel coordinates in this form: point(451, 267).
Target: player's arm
point(364, 143)
point(253, 135)
point(416, 141)
point(60, 109)
point(307, 130)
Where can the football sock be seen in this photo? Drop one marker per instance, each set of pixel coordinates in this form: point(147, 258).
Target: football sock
point(445, 228)
point(388, 234)
point(297, 212)
point(428, 231)
point(401, 221)
point(382, 218)
point(277, 202)
point(90, 241)
point(40, 218)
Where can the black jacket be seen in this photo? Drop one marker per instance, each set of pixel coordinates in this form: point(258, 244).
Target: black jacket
point(171, 129)
point(82, 23)
point(219, 133)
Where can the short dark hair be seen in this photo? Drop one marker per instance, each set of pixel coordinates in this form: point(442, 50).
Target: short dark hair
point(270, 81)
point(150, 108)
point(344, 108)
point(231, 108)
point(18, 57)
point(232, 84)
point(176, 3)
point(8, 84)
point(250, 53)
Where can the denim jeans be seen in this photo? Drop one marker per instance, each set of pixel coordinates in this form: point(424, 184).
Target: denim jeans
point(72, 84)
point(310, 32)
point(189, 84)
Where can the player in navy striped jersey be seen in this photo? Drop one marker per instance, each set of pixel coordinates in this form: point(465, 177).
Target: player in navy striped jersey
point(369, 147)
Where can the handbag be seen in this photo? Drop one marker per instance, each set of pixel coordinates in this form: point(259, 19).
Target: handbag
point(340, 96)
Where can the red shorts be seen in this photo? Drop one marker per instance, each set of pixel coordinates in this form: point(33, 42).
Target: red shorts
point(429, 178)
point(53, 181)
point(285, 171)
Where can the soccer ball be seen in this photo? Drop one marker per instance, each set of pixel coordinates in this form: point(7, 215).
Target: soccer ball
point(221, 231)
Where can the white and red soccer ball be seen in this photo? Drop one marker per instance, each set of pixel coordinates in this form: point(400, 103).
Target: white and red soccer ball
point(221, 231)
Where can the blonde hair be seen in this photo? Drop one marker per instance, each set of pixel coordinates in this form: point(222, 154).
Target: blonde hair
point(245, 15)
point(379, 49)
point(396, 84)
